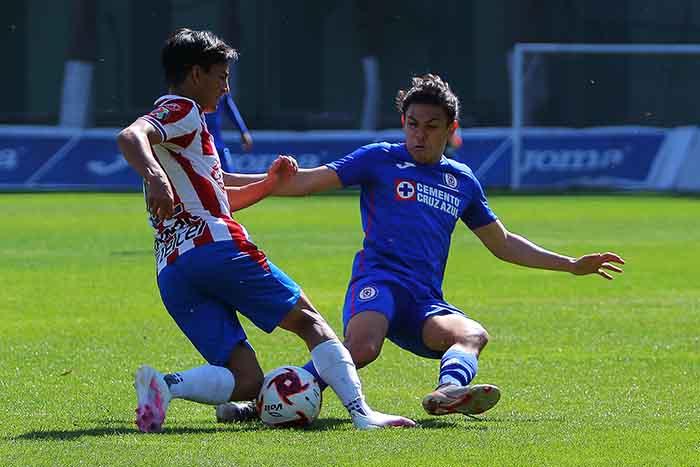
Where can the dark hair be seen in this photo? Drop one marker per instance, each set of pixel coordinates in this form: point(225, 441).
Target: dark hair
point(186, 48)
point(429, 89)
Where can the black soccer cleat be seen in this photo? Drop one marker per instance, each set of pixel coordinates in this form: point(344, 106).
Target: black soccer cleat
point(236, 412)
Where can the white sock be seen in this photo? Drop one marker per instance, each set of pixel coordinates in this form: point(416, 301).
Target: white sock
point(334, 364)
point(207, 384)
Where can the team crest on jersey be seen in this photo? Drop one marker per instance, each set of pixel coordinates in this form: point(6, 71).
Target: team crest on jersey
point(161, 112)
point(368, 293)
point(450, 180)
point(404, 190)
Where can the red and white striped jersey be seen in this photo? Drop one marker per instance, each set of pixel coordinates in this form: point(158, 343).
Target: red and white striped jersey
point(202, 213)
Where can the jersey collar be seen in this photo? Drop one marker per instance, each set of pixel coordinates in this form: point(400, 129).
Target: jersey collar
point(168, 97)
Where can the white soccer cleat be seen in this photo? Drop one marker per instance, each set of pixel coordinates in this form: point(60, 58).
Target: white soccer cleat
point(236, 412)
point(469, 400)
point(375, 420)
point(153, 398)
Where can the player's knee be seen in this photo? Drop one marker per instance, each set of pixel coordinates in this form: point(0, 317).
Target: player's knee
point(474, 337)
point(307, 324)
point(364, 353)
point(478, 336)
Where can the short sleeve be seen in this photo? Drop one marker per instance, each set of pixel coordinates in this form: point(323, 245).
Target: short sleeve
point(478, 214)
point(358, 167)
point(174, 118)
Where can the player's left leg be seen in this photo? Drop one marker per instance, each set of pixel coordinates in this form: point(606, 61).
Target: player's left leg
point(213, 328)
point(462, 340)
point(334, 364)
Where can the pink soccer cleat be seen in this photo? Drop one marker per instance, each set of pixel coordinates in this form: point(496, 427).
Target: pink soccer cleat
point(153, 398)
point(469, 400)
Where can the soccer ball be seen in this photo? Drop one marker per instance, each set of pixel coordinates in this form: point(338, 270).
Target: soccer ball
point(289, 397)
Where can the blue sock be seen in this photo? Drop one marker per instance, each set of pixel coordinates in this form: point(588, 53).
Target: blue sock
point(312, 369)
point(458, 367)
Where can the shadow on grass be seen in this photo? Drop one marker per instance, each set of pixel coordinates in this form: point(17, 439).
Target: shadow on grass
point(69, 435)
point(461, 422)
point(123, 427)
point(115, 427)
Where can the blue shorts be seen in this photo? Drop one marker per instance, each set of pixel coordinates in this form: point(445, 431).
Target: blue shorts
point(405, 307)
point(203, 289)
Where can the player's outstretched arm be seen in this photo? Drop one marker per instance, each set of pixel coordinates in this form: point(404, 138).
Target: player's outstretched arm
point(308, 181)
point(135, 143)
point(519, 250)
point(241, 197)
point(305, 182)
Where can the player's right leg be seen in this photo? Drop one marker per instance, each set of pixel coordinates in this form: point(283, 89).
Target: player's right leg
point(462, 340)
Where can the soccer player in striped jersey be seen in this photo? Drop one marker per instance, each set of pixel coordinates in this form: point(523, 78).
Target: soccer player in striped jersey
point(412, 198)
point(207, 266)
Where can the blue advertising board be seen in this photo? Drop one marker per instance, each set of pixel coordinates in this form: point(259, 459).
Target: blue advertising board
point(49, 158)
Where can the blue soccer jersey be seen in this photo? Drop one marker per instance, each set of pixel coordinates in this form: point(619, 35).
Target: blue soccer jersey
point(409, 212)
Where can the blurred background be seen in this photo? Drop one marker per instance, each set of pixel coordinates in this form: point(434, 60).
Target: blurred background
point(313, 65)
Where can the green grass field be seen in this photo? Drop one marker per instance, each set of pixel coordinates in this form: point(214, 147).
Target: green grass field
point(592, 372)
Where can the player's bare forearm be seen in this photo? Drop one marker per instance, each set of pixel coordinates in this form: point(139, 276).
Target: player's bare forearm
point(519, 250)
point(281, 170)
point(237, 180)
point(516, 249)
point(135, 145)
point(241, 197)
point(308, 181)
point(305, 182)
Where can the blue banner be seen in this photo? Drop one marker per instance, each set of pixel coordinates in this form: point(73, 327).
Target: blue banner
point(46, 158)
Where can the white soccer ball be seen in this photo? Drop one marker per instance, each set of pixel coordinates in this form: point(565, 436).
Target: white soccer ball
point(289, 396)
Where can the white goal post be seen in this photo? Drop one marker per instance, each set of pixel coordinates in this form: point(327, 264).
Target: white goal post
point(518, 87)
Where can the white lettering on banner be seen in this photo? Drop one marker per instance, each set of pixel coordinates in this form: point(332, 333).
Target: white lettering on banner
point(571, 160)
point(260, 162)
point(105, 169)
point(8, 159)
point(438, 199)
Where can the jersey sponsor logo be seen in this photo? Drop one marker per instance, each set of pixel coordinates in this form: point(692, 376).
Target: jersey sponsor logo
point(438, 199)
point(180, 230)
point(450, 180)
point(405, 190)
point(368, 293)
point(405, 165)
point(160, 113)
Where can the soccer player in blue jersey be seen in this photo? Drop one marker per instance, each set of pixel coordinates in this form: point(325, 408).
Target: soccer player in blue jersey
point(412, 198)
point(214, 119)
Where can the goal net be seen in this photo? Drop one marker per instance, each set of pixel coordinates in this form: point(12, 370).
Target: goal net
point(613, 115)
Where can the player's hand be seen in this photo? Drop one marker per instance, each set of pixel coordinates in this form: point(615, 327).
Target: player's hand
point(282, 169)
point(246, 141)
point(597, 263)
point(159, 197)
